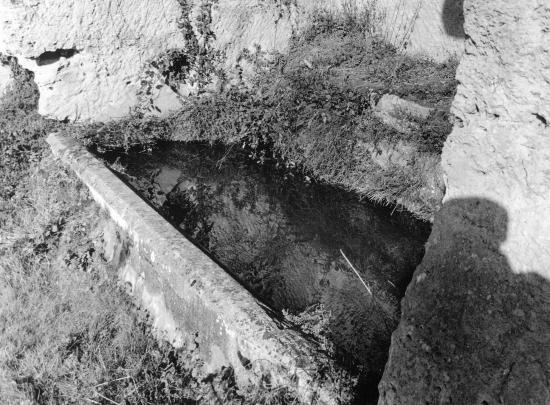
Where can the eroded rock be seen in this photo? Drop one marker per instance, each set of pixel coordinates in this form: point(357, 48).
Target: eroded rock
point(475, 327)
point(92, 60)
point(88, 56)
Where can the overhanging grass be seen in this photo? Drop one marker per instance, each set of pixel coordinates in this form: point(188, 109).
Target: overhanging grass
point(312, 107)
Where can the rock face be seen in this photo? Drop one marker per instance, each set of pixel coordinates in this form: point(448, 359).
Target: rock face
point(428, 28)
point(88, 57)
point(92, 60)
point(475, 326)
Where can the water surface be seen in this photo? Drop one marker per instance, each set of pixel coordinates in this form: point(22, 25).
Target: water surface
point(283, 237)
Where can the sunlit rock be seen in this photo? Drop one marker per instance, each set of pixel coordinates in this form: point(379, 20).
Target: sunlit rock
point(475, 327)
point(88, 57)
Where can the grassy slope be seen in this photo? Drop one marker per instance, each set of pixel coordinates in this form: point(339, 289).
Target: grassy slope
point(68, 332)
point(312, 107)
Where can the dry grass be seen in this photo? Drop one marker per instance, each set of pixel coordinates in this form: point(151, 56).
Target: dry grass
point(68, 333)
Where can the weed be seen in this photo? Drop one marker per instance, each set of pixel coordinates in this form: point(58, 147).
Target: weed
point(136, 130)
point(314, 321)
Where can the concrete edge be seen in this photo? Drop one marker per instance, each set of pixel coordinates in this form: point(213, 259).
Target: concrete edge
point(190, 296)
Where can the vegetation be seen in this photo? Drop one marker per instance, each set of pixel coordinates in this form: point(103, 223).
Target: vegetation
point(69, 333)
point(313, 109)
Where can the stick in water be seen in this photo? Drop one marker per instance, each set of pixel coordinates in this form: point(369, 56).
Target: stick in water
point(356, 272)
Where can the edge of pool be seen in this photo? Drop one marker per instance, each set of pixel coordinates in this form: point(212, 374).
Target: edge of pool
point(192, 300)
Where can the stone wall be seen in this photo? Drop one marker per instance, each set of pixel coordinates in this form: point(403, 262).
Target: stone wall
point(475, 326)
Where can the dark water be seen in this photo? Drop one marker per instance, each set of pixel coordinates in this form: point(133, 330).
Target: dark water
point(282, 238)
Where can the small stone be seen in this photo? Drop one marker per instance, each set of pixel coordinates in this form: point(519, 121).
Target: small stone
point(519, 313)
point(420, 277)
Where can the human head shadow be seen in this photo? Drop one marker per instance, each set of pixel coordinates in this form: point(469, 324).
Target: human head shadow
point(453, 18)
point(485, 327)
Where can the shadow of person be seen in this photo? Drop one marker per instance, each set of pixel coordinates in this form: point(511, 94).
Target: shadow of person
point(453, 18)
point(472, 331)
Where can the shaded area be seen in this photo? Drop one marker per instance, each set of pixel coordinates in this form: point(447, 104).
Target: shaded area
point(281, 237)
point(472, 330)
point(49, 57)
point(453, 18)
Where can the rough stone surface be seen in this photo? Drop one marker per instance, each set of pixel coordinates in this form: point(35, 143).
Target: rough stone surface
point(428, 28)
point(257, 26)
point(91, 58)
point(475, 326)
point(193, 300)
point(88, 56)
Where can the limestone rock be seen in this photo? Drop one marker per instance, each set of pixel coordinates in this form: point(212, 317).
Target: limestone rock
point(88, 56)
point(259, 27)
point(475, 326)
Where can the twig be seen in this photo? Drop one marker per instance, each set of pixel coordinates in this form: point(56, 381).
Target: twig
point(356, 272)
point(107, 399)
point(109, 382)
point(92, 401)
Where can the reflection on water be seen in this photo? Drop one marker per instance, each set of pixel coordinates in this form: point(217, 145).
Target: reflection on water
point(281, 237)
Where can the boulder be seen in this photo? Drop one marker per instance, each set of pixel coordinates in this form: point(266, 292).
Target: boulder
point(475, 326)
point(400, 114)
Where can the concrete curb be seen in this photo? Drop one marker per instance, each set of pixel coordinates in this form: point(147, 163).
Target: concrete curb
point(192, 299)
